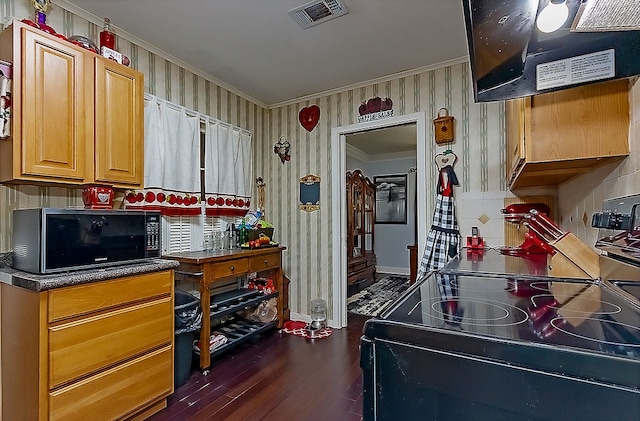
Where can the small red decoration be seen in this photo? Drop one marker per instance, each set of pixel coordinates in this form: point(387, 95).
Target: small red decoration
point(97, 197)
point(309, 117)
point(374, 105)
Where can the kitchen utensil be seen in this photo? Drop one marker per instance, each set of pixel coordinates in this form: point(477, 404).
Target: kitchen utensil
point(571, 250)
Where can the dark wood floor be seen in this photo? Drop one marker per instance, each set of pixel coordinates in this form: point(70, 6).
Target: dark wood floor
point(278, 377)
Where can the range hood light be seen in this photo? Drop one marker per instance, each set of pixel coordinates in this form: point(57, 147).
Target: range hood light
point(553, 16)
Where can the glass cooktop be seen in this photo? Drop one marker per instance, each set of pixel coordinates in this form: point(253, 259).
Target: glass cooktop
point(476, 305)
point(576, 314)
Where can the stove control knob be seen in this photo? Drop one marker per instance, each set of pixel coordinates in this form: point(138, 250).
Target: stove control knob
point(610, 220)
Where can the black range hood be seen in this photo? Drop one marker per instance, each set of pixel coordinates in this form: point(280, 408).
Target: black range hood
point(511, 58)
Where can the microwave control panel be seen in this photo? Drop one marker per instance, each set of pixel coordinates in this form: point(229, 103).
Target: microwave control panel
point(153, 235)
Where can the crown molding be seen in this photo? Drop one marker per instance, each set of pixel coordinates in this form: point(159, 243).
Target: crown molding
point(155, 50)
point(358, 154)
point(393, 76)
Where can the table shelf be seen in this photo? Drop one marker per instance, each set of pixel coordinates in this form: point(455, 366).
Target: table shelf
point(238, 331)
point(239, 299)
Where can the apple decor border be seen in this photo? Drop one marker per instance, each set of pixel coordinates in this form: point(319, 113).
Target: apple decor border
point(374, 109)
point(170, 203)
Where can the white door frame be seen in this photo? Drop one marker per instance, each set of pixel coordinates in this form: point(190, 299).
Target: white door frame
point(338, 183)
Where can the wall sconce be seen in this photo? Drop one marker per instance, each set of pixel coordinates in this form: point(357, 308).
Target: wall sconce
point(553, 16)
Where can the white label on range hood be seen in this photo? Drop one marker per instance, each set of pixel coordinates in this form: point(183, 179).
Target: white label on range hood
point(579, 69)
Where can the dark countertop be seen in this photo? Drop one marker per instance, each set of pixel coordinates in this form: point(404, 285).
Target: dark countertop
point(203, 256)
point(35, 282)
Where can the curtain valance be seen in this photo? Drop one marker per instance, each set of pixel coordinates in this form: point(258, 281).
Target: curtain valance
point(172, 163)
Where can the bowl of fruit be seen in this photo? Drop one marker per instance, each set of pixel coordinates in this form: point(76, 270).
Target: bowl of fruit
point(261, 241)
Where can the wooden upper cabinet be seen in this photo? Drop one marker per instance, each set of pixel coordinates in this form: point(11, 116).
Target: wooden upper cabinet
point(119, 124)
point(57, 108)
point(76, 117)
point(555, 136)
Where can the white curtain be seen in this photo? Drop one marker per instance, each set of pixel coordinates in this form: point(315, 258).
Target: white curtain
point(171, 160)
point(228, 170)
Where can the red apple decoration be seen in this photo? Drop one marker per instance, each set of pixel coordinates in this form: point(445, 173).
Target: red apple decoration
point(194, 200)
point(172, 199)
point(139, 197)
point(374, 104)
point(362, 109)
point(161, 197)
point(150, 196)
point(211, 201)
point(131, 197)
point(387, 104)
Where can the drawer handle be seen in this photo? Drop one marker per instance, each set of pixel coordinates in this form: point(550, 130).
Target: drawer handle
point(265, 262)
point(232, 268)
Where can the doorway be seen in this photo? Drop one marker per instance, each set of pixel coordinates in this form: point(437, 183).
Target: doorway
point(338, 183)
point(386, 157)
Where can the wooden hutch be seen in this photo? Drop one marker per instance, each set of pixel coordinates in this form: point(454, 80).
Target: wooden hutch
point(361, 200)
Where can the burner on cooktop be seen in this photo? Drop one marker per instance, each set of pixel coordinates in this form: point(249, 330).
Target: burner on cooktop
point(485, 312)
point(588, 325)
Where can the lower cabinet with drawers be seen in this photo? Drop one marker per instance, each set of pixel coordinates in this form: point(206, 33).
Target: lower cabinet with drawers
point(208, 270)
point(96, 351)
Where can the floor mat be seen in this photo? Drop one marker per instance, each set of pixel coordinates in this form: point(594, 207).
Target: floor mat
point(300, 329)
point(375, 298)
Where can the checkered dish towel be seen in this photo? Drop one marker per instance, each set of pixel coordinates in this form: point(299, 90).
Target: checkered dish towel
point(443, 238)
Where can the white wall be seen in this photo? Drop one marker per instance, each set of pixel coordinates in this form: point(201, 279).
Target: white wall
point(391, 240)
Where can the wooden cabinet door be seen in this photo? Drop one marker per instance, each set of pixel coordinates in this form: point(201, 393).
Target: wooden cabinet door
point(57, 110)
point(515, 124)
point(119, 124)
point(588, 122)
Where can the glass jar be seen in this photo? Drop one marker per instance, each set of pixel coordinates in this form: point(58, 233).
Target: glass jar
point(207, 242)
point(218, 240)
point(318, 313)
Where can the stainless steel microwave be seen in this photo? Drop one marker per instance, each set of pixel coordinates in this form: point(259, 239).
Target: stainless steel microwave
point(47, 240)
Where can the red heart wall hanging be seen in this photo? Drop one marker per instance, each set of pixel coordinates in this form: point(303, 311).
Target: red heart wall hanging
point(309, 117)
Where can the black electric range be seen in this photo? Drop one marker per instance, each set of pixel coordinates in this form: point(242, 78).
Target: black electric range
point(494, 337)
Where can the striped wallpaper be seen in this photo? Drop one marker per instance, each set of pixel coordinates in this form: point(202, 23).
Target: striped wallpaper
point(165, 78)
point(479, 145)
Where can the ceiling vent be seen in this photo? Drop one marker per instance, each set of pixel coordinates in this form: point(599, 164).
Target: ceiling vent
point(318, 11)
point(607, 15)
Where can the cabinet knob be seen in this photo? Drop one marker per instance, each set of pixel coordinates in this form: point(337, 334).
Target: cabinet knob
point(232, 268)
point(265, 262)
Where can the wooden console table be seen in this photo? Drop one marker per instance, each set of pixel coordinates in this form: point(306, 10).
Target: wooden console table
point(413, 262)
point(209, 267)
